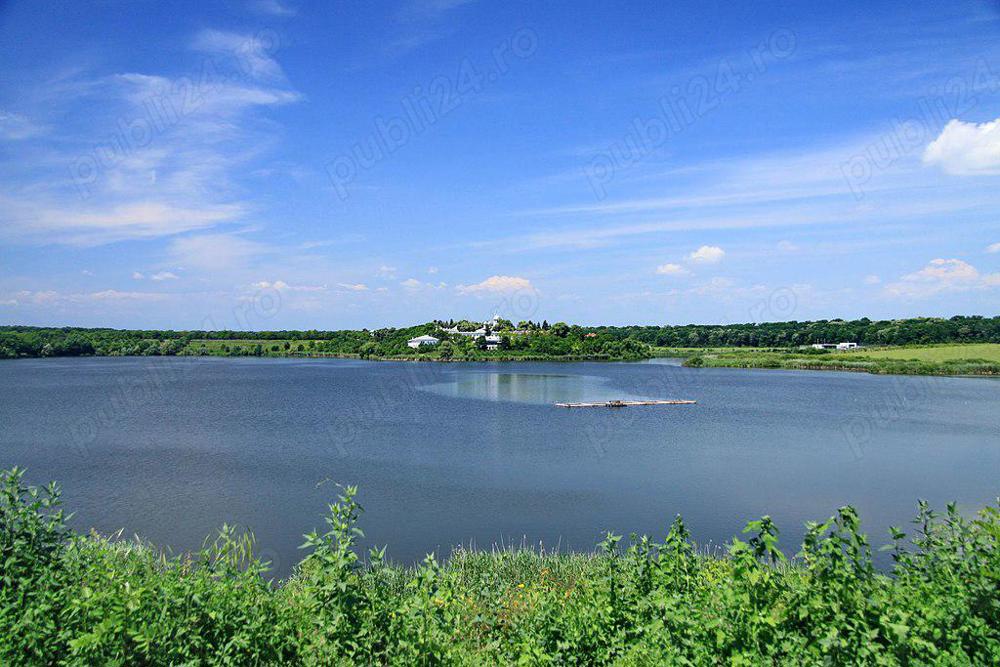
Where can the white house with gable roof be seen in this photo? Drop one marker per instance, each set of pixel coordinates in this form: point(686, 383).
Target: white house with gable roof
point(422, 340)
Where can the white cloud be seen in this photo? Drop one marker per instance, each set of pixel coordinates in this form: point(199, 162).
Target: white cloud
point(137, 276)
point(412, 283)
point(872, 280)
point(787, 246)
point(498, 285)
point(432, 270)
point(966, 148)
point(386, 271)
point(163, 275)
point(941, 275)
point(355, 287)
point(707, 254)
point(995, 247)
point(672, 270)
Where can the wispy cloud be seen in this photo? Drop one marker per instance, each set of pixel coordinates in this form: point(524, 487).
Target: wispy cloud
point(273, 8)
point(14, 127)
point(672, 270)
point(251, 51)
point(152, 156)
point(414, 285)
point(215, 252)
point(56, 298)
point(96, 226)
point(281, 285)
point(771, 190)
point(422, 22)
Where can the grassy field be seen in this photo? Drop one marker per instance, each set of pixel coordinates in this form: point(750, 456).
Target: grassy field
point(935, 353)
point(972, 359)
point(88, 600)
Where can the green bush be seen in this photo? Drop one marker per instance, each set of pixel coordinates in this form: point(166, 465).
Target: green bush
point(87, 600)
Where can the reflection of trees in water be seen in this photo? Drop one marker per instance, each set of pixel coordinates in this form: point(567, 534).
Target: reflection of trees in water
point(529, 387)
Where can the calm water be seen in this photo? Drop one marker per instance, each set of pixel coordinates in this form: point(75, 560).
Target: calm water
point(450, 454)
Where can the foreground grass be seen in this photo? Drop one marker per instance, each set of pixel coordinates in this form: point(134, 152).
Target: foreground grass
point(67, 599)
point(975, 359)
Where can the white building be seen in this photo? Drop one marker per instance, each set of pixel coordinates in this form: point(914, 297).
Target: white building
point(834, 346)
point(470, 334)
point(422, 340)
point(492, 342)
point(478, 333)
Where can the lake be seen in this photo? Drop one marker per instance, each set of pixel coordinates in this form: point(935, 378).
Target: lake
point(448, 454)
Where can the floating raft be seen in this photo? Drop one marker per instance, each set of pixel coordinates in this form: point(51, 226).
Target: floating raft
point(621, 404)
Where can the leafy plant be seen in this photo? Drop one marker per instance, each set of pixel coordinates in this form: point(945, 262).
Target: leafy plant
point(92, 600)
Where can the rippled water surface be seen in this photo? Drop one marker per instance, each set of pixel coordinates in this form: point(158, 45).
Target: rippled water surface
point(452, 453)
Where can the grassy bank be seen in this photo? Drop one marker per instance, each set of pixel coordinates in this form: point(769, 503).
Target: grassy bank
point(976, 359)
point(67, 599)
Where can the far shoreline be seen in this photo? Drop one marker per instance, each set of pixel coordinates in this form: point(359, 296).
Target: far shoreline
point(729, 357)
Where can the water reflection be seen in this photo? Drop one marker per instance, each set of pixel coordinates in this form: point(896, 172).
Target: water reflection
point(529, 388)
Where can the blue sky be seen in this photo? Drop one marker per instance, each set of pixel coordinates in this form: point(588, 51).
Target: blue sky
point(284, 164)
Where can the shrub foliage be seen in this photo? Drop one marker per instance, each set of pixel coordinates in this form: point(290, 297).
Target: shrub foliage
point(90, 600)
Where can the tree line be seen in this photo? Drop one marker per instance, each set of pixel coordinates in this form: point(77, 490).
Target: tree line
point(526, 338)
point(864, 331)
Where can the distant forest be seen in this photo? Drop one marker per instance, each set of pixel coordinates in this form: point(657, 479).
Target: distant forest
point(912, 331)
point(530, 339)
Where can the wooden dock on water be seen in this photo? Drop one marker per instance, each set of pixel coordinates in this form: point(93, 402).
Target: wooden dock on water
point(621, 404)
